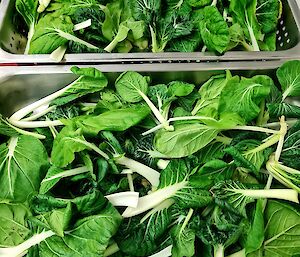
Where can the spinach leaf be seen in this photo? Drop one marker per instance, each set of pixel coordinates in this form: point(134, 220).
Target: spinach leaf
point(23, 162)
point(185, 140)
point(214, 30)
point(13, 224)
point(289, 79)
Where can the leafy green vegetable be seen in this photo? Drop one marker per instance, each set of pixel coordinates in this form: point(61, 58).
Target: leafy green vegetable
point(288, 78)
point(281, 231)
point(23, 161)
point(14, 228)
point(244, 96)
point(190, 137)
point(214, 30)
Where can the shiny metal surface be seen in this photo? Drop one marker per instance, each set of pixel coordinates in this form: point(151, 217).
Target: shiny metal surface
point(22, 85)
point(12, 44)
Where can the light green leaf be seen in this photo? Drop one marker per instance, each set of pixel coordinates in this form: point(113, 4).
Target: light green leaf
point(114, 120)
point(289, 78)
point(13, 225)
point(244, 96)
point(56, 220)
point(90, 81)
point(68, 142)
point(185, 140)
point(214, 30)
point(28, 10)
point(23, 162)
point(282, 231)
point(130, 84)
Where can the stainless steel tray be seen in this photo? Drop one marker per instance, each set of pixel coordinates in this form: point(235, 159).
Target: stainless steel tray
point(12, 44)
point(22, 85)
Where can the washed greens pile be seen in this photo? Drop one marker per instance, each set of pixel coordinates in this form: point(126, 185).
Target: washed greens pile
point(97, 26)
point(134, 168)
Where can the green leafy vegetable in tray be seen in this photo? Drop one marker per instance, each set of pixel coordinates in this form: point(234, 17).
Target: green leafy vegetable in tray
point(99, 26)
point(133, 168)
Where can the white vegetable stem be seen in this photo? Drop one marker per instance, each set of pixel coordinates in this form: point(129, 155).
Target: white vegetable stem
point(219, 250)
point(167, 252)
point(149, 201)
point(150, 174)
point(24, 132)
point(124, 199)
point(46, 100)
point(58, 54)
point(83, 25)
point(284, 194)
point(36, 124)
point(283, 131)
point(67, 173)
point(18, 250)
point(29, 37)
point(156, 112)
point(45, 109)
point(112, 249)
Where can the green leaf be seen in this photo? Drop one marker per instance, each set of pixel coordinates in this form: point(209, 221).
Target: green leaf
point(185, 140)
point(54, 175)
point(92, 234)
point(255, 237)
point(86, 205)
point(114, 120)
point(244, 13)
point(211, 173)
point(244, 96)
point(129, 85)
point(183, 241)
point(68, 142)
point(6, 128)
point(276, 110)
point(289, 79)
point(28, 10)
point(46, 39)
point(268, 13)
point(90, 81)
point(291, 147)
point(13, 224)
point(199, 3)
point(281, 231)
point(179, 88)
point(57, 220)
point(229, 194)
point(214, 30)
point(23, 162)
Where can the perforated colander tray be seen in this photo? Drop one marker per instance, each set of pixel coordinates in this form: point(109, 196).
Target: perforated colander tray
point(12, 44)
